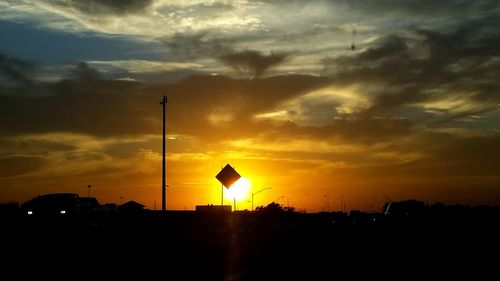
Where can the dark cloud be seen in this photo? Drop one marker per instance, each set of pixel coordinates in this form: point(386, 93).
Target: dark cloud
point(196, 45)
point(99, 7)
point(386, 47)
point(87, 103)
point(84, 72)
point(15, 74)
point(209, 44)
point(11, 166)
point(474, 155)
point(252, 62)
point(31, 147)
point(124, 150)
point(195, 99)
point(425, 66)
point(446, 157)
point(82, 104)
point(419, 7)
point(358, 129)
point(397, 72)
point(25, 156)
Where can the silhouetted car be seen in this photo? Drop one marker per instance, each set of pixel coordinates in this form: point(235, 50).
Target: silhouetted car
point(358, 217)
point(407, 211)
point(406, 208)
point(55, 204)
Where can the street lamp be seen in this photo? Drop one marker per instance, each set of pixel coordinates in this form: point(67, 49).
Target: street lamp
point(257, 192)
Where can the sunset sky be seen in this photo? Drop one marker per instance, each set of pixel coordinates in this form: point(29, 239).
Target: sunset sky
point(367, 101)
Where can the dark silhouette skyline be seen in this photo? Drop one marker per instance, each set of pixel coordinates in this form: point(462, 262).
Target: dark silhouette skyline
point(272, 242)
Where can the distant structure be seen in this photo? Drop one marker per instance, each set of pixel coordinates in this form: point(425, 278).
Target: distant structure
point(131, 207)
point(213, 208)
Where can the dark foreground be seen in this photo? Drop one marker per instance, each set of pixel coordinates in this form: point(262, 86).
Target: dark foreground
point(246, 246)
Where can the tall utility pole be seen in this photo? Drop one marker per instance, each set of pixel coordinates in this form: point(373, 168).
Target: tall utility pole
point(164, 164)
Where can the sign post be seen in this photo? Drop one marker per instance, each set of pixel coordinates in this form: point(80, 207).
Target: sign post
point(227, 177)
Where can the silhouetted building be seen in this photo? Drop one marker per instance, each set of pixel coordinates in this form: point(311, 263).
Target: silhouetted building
point(213, 208)
point(131, 207)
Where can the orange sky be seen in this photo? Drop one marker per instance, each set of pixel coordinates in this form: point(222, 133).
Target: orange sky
point(337, 100)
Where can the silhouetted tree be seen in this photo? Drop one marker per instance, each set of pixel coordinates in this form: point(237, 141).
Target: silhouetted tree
point(271, 208)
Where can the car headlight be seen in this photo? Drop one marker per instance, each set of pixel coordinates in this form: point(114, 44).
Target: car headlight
point(30, 212)
point(62, 212)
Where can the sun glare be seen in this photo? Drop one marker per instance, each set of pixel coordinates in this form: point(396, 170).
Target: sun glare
point(240, 189)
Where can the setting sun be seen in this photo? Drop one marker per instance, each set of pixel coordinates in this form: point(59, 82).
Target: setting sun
point(240, 189)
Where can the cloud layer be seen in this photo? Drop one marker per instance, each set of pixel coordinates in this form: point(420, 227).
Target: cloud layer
point(413, 110)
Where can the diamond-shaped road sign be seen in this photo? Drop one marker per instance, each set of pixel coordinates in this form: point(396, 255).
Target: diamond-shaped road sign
point(228, 176)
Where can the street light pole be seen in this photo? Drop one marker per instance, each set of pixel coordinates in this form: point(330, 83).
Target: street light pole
point(253, 193)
